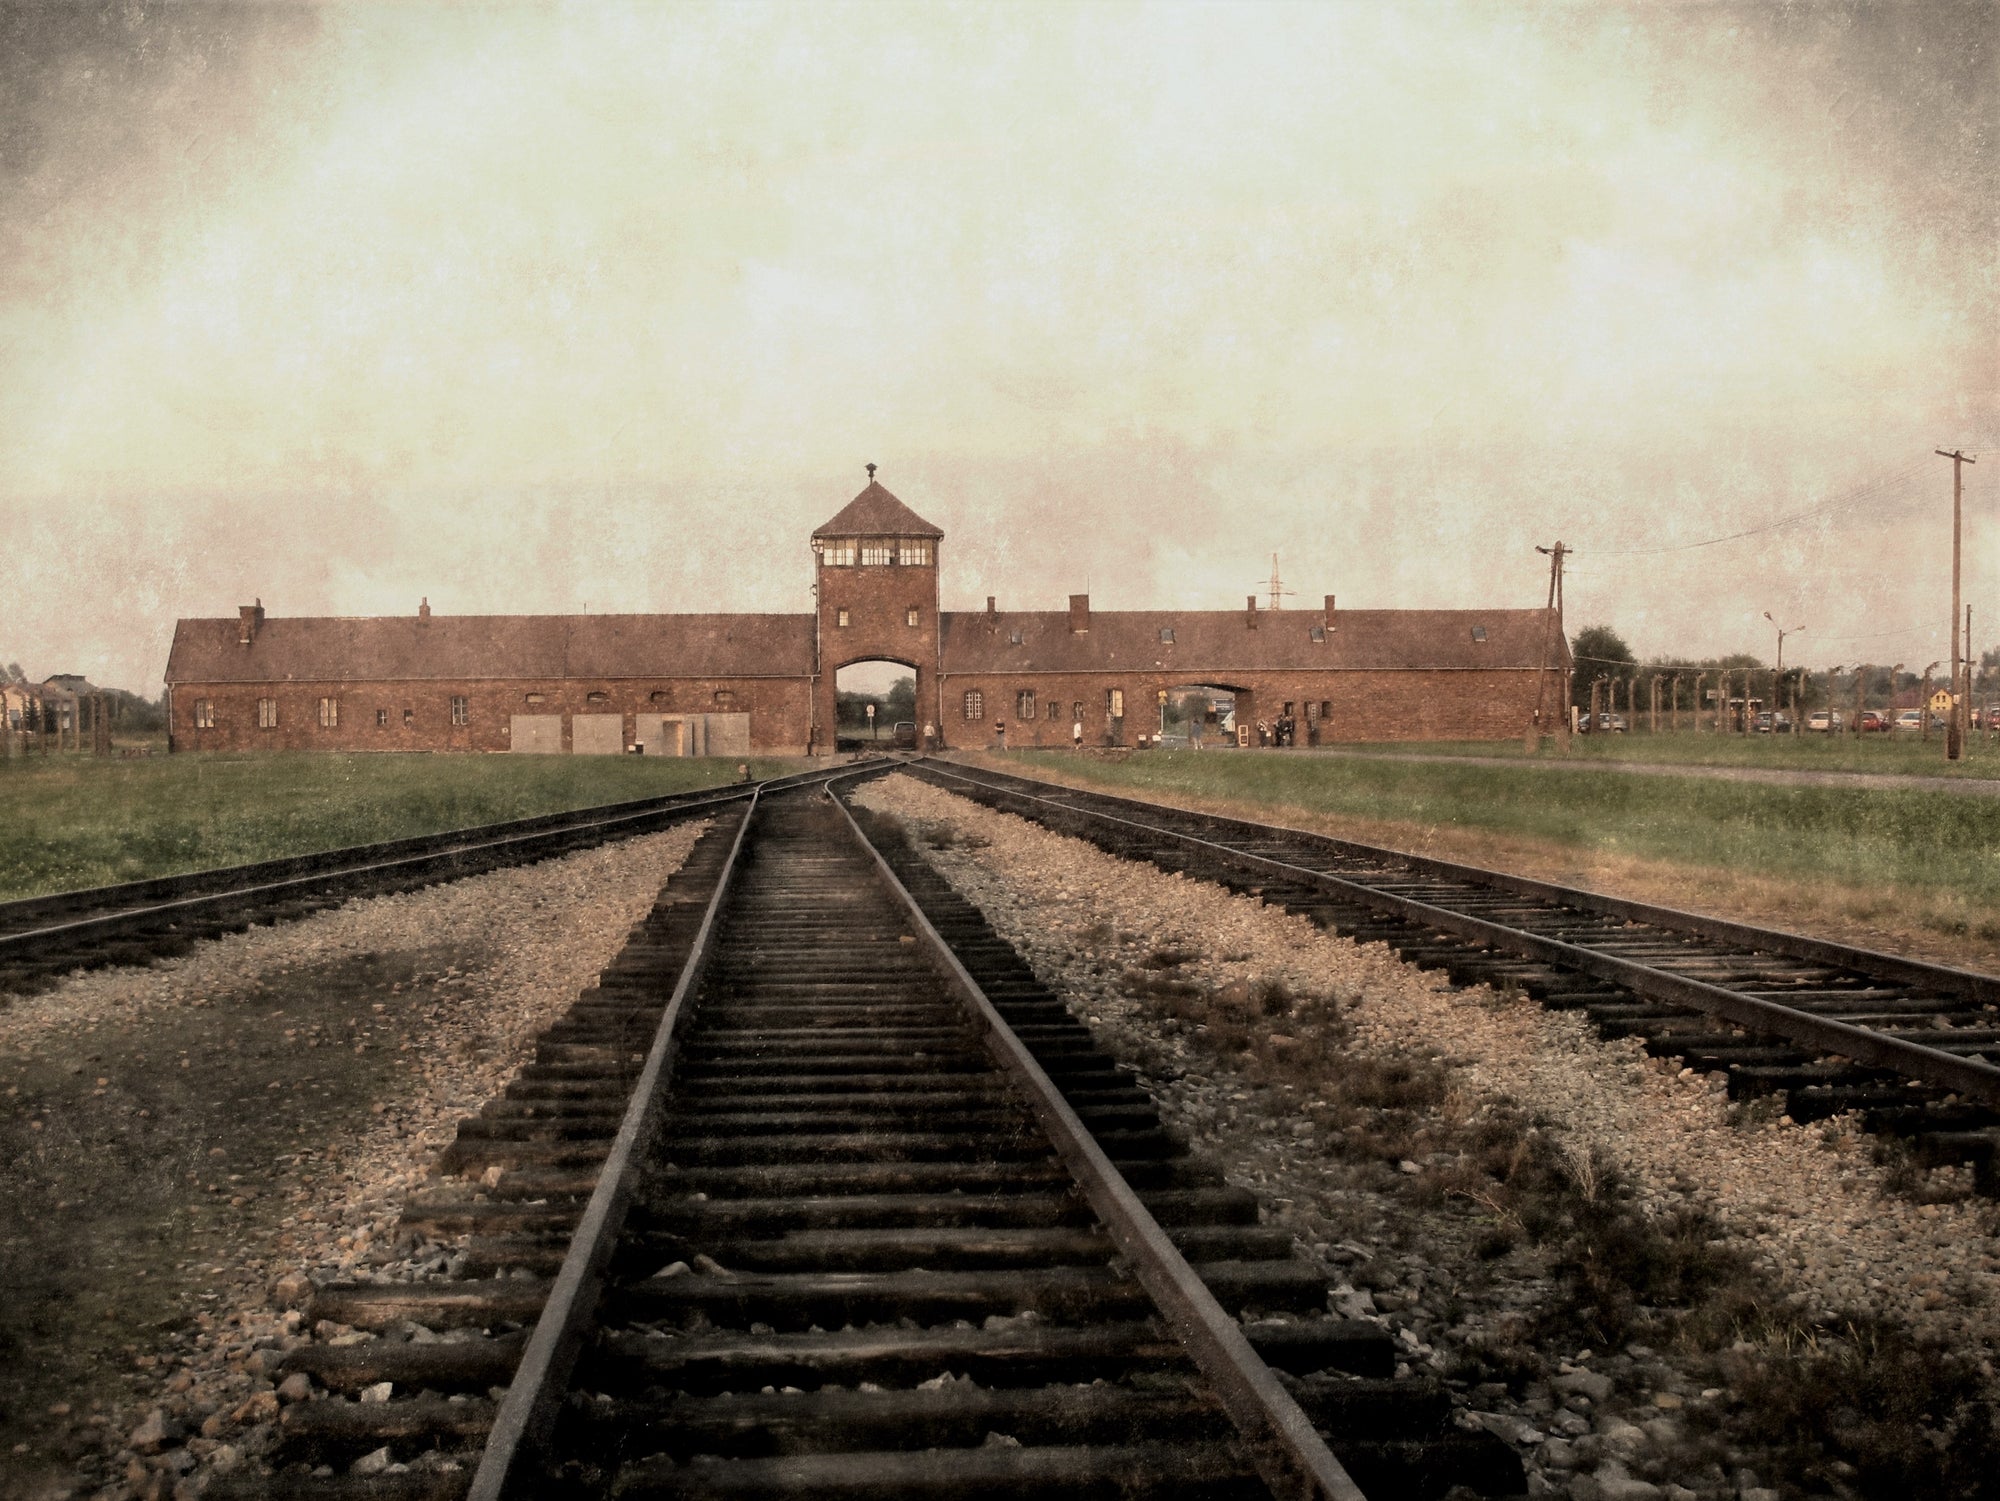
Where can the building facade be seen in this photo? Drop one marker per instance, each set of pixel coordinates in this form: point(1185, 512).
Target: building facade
point(765, 683)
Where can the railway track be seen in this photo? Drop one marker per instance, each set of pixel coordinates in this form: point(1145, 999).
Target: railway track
point(43, 938)
point(820, 1193)
point(1825, 1026)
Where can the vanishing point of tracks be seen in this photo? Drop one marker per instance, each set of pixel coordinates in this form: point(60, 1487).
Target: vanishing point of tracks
point(820, 1193)
point(1825, 1026)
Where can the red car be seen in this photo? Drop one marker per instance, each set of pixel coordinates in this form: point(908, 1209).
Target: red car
point(1870, 720)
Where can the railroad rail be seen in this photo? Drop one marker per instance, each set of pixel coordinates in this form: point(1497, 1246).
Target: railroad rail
point(819, 1192)
point(42, 938)
point(1828, 1026)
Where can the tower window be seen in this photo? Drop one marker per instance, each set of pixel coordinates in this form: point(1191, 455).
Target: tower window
point(877, 554)
point(838, 554)
point(841, 617)
point(910, 616)
point(913, 554)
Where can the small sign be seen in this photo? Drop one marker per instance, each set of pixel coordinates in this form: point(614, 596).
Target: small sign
point(1941, 701)
point(870, 710)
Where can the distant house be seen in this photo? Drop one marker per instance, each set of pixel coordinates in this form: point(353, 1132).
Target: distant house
point(22, 705)
point(61, 695)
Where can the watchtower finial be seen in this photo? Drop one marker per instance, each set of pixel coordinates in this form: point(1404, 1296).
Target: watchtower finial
point(871, 474)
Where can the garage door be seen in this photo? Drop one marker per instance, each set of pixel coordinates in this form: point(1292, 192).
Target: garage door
point(536, 734)
point(597, 734)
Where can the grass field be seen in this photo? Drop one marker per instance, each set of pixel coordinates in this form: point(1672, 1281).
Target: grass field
point(1892, 754)
point(1915, 858)
point(68, 822)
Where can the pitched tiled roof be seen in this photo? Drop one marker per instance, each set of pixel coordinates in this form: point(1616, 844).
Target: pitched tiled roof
point(1215, 643)
point(877, 513)
point(404, 648)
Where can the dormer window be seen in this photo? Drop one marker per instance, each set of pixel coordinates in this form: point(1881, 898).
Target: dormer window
point(1319, 633)
point(1479, 633)
point(1013, 638)
point(1166, 635)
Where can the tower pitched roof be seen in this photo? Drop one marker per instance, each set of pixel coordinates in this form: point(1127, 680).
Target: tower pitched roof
point(877, 513)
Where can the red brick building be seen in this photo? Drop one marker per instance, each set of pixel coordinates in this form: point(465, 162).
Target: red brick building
point(734, 684)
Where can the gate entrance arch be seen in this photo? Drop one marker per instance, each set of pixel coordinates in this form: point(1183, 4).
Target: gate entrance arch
point(1202, 715)
point(892, 688)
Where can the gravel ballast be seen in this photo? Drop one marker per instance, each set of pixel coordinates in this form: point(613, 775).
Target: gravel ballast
point(175, 1141)
point(1808, 1209)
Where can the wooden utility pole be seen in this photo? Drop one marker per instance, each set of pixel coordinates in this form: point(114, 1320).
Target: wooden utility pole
point(1551, 624)
point(1954, 734)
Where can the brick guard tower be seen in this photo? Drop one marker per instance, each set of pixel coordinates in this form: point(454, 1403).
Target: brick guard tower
point(876, 592)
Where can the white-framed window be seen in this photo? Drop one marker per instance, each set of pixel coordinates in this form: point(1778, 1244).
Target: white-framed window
point(877, 553)
point(975, 704)
point(461, 710)
point(911, 553)
point(1114, 700)
point(204, 714)
point(838, 554)
point(329, 713)
point(1024, 703)
point(381, 719)
point(842, 618)
point(267, 713)
point(910, 616)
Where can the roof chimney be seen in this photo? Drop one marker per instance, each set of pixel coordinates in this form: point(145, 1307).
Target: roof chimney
point(1250, 611)
point(1079, 614)
point(249, 617)
point(1329, 612)
point(990, 611)
point(424, 608)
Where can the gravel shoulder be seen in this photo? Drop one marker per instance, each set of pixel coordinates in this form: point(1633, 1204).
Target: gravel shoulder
point(1808, 1211)
point(175, 1139)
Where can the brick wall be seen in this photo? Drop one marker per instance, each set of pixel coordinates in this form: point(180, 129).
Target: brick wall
point(778, 708)
point(1361, 706)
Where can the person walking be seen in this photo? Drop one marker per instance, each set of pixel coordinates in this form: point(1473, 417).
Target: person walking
point(1000, 733)
point(1076, 735)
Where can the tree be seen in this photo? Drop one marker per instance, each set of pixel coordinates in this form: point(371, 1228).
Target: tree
point(1598, 652)
point(902, 701)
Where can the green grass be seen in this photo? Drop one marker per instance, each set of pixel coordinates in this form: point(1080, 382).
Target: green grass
point(1897, 753)
point(68, 822)
point(1917, 839)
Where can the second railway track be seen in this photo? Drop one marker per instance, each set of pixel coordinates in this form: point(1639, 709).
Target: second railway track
point(1827, 1027)
point(821, 1193)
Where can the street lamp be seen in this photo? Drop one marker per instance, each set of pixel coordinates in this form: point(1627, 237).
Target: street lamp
point(1778, 674)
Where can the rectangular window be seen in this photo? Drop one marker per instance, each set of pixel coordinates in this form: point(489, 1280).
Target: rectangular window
point(975, 704)
point(381, 719)
point(913, 554)
point(329, 713)
point(875, 554)
point(1024, 703)
point(1479, 633)
point(1319, 633)
point(267, 713)
point(840, 617)
point(204, 714)
point(1013, 638)
point(1167, 635)
point(910, 616)
point(1114, 699)
point(461, 710)
point(838, 554)
point(1055, 708)
point(1326, 708)
point(1312, 709)
point(409, 718)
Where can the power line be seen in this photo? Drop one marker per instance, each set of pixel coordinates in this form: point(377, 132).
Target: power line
point(1869, 490)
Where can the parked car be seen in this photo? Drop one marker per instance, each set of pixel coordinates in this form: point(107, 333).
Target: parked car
point(1823, 721)
point(1871, 721)
point(1774, 724)
point(906, 735)
point(1607, 724)
point(1910, 719)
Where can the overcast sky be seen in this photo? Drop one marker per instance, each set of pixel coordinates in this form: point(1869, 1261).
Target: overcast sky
point(528, 308)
